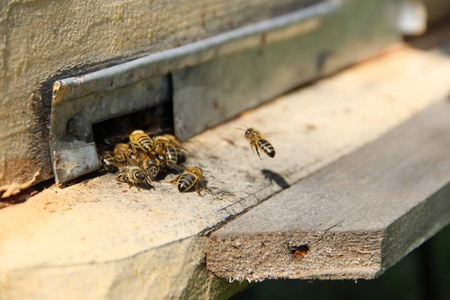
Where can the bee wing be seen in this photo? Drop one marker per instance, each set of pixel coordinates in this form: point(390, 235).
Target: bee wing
point(272, 133)
point(178, 168)
point(154, 132)
point(115, 139)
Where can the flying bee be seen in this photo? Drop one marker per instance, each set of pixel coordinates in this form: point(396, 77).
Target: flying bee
point(257, 141)
point(148, 162)
point(133, 176)
point(140, 140)
point(192, 177)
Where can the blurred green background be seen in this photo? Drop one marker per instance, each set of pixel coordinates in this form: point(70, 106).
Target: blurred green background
point(422, 274)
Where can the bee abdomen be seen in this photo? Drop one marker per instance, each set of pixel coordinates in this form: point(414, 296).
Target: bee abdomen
point(172, 156)
point(186, 182)
point(266, 147)
point(145, 142)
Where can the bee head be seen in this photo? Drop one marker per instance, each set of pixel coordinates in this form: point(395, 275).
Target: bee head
point(140, 175)
point(249, 132)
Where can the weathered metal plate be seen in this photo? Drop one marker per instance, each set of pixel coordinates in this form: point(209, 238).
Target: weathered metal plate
point(209, 93)
point(78, 160)
point(71, 138)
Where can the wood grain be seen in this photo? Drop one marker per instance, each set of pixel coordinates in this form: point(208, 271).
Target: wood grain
point(138, 243)
point(352, 219)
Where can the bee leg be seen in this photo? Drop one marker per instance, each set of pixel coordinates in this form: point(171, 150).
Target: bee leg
point(257, 151)
point(176, 179)
point(134, 147)
point(204, 186)
point(149, 182)
point(197, 189)
point(131, 185)
point(252, 144)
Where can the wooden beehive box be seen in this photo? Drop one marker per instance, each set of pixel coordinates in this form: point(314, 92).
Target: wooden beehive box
point(209, 61)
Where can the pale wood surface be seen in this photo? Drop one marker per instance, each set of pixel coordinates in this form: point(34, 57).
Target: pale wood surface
point(100, 231)
point(357, 217)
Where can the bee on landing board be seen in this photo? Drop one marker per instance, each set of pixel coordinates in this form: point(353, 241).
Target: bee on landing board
point(170, 147)
point(148, 162)
point(122, 153)
point(257, 141)
point(192, 177)
point(119, 157)
point(133, 176)
point(140, 140)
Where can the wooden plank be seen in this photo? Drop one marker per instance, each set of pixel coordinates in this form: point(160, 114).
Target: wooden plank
point(138, 243)
point(352, 219)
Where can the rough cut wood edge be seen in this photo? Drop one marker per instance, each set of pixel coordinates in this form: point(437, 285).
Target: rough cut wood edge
point(353, 219)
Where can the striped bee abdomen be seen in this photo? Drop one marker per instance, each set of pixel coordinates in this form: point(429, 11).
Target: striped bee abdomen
point(141, 140)
point(266, 147)
point(186, 181)
point(171, 156)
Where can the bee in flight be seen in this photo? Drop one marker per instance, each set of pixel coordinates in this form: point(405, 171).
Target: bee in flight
point(257, 141)
point(192, 177)
point(133, 176)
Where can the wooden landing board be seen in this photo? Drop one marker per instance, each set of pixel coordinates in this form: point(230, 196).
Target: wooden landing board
point(353, 219)
point(151, 244)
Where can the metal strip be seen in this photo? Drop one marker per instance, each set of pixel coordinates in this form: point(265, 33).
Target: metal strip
point(71, 138)
point(159, 64)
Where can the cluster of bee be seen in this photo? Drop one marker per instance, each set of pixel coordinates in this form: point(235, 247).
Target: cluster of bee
point(143, 160)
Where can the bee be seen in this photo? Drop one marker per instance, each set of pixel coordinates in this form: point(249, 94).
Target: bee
point(122, 153)
point(140, 140)
point(257, 141)
point(171, 156)
point(170, 148)
point(148, 162)
point(108, 162)
point(119, 157)
point(192, 177)
point(133, 176)
point(172, 140)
